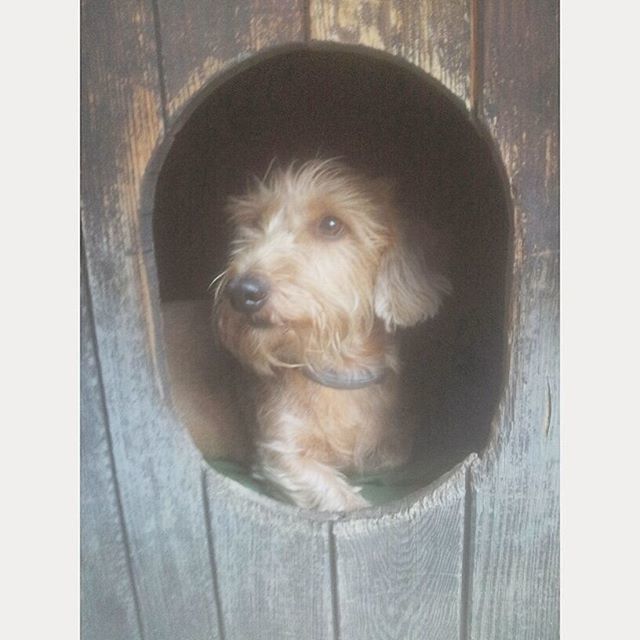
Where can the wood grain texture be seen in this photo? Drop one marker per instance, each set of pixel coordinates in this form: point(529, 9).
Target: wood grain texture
point(157, 467)
point(433, 35)
point(399, 573)
point(273, 566)
point(200, 39)
point(107, 597)
point(515, 543)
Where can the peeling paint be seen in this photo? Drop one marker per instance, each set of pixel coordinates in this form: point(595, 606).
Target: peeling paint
point(548, 411)
point(434, 36)
point(550, 160)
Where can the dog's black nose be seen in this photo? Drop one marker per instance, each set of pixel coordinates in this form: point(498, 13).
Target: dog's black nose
point(247, 293)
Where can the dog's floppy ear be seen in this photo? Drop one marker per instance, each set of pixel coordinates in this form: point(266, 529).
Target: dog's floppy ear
point(406, 292)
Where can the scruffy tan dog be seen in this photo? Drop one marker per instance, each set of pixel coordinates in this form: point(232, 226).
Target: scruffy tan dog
point(318, 281)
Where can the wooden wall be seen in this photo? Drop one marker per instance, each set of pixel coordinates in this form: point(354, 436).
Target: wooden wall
point(172, 550)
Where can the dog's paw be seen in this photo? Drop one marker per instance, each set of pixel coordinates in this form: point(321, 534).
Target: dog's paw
point(355, 501)
point(348, 499)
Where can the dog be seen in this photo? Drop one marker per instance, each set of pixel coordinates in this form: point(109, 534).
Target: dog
point(319, 279)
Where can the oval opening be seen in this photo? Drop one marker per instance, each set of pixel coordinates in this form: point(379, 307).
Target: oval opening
point(386, 119)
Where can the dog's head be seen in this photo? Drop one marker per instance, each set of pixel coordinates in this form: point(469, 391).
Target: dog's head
point(317, 261)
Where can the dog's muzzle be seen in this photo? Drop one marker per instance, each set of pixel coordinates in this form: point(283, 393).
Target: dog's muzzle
point(247, 293)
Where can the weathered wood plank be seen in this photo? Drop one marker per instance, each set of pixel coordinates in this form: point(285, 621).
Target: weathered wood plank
point(273, 570)
point(273, 566)
point(199, 39)
point(515, 551)
point(157, 467)
point(400, 573)
point(433, 35)
point(107, 597)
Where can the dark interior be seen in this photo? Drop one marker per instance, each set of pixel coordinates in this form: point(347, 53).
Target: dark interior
point(390, 120)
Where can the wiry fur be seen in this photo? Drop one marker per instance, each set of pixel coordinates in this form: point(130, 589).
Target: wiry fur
point(334, 303)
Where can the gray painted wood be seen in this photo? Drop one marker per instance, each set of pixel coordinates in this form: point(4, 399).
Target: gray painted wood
point(515, 527)
point(157, 467)
point(433, 35)
point(200, 39)
point(273, 566)
point(400, 571)
point(107, 597)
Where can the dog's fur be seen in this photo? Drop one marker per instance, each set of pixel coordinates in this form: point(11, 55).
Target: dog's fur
point(334, 303)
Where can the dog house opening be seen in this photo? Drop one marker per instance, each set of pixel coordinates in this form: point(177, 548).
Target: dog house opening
point(385, 120)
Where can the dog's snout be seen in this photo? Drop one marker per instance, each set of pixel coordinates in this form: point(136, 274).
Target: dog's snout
point(248, 293)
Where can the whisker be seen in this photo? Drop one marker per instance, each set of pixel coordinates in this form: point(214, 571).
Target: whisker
point(268, 171)
point(216, 294)
point(273, 360)
point(220, 275)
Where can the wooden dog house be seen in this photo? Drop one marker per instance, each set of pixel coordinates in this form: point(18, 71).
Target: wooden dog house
point(459, 99)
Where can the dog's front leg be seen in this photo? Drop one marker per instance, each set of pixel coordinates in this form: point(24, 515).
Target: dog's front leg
point(307, 482)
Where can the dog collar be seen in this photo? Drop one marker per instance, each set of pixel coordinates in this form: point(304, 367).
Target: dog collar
point(354, 379)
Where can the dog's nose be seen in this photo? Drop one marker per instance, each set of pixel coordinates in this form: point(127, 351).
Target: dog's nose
point(247, 293)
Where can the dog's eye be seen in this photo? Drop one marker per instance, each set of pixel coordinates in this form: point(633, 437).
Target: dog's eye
point(331, 226)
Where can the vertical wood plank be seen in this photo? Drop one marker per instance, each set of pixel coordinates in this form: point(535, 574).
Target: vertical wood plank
point(200, 38)
point(157, 467)
point(434, 35)
point(273, 566)
point(515, 544)
point(107, 596)
point(272, 570)
point(400, 574)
